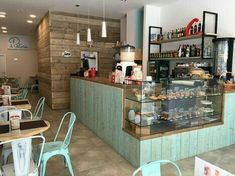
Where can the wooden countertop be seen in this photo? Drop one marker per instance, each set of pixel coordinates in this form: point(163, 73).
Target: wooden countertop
point(100, 80)
point(16, 134)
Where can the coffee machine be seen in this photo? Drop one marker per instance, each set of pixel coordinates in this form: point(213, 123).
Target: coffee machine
point(127, 59)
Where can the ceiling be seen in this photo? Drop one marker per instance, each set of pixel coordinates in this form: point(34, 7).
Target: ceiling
point(18, 10)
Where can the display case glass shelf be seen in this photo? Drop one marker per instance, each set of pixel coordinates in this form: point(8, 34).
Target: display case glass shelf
point(154, 108)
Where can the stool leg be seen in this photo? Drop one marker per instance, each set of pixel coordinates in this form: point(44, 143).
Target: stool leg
point(43, 167)
point(69, 164)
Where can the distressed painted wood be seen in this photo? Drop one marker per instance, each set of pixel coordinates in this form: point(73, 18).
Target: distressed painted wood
point(99, 107)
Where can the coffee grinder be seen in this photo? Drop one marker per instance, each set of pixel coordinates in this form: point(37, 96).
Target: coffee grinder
point(127, 59)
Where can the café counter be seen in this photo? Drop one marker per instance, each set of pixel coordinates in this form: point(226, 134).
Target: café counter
point(100, 105)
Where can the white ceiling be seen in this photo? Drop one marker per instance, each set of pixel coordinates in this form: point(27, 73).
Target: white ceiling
point(18, 10)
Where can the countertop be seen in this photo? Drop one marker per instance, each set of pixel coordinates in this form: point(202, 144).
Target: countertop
point(100, 80)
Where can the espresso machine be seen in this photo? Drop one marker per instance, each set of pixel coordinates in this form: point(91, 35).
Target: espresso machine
point(127, 59)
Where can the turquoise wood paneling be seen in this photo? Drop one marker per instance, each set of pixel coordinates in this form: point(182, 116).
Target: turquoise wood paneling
point(99, 107)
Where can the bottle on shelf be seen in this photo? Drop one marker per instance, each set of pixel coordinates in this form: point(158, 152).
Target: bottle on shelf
point(187, 53)
point(180, 51)
point(198, 51)
point(195, 29)
point(199, 29)
point(178, 35)
point(183, 51)
point(191, 30)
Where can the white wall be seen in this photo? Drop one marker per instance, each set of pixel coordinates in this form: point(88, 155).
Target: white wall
point(25, 66)
point(151, 18)
point(123, 31)
point(178, 14)
point(134, 27)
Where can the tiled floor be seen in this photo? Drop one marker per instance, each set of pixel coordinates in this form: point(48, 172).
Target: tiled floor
point(92, 157)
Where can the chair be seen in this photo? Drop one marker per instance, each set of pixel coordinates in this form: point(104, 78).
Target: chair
point(7, 150)
point(22, 152)
point(38, 111)
point(34, 83)
point(59, 147)
point(153, 168)
point(23, 94)
point(4, 113)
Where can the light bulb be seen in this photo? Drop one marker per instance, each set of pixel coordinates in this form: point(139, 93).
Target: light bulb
point(78, 39)
point(104, 29)
point(89, 35)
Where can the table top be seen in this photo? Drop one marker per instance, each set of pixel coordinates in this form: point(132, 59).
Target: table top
point(20, 104)
point(16, 134)
point(12, 95)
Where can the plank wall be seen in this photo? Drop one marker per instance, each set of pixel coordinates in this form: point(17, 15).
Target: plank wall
point(62, 36)
point(44, 59)
point(99, 107)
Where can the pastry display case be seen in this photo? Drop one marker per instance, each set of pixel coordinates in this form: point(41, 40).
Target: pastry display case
point(156, 108)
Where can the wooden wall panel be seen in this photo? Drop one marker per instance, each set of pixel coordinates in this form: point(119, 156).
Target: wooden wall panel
point(63, 29)
point(57, 33)
point(44, 60)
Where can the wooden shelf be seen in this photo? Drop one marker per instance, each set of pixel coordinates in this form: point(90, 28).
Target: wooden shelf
point(180, 58)
point(182, 38)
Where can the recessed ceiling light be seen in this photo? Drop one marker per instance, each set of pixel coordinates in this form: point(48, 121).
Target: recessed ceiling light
point(32, 16)
point(2, 16)
point(4, 31)
point(29, 21)
point(4, 28)
point(3, 13)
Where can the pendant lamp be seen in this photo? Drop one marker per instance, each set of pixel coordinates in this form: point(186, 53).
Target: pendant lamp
point(89, 29)
point(104, 26)
point(78, 42)
point(89, 35)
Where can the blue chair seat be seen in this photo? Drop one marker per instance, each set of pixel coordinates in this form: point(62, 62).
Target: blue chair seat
point(52, 147)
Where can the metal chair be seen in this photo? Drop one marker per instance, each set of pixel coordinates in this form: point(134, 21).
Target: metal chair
point(9, 109)
point(154, 168)
point(38, 111)
point(22, 152)
point(23, 94)
point(59, 147)
point(7, 150)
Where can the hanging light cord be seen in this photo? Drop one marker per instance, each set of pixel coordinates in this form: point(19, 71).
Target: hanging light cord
point(88, 12)
point(104, 10)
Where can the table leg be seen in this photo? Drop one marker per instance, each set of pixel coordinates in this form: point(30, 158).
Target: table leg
point(22, 150)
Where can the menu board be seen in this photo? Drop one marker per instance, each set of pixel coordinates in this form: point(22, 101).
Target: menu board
point(203, 168)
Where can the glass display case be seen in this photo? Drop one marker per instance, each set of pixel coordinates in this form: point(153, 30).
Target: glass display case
point(154, 108)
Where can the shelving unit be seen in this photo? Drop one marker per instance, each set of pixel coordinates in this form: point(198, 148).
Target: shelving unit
point(196, 36)
point(201, 36)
